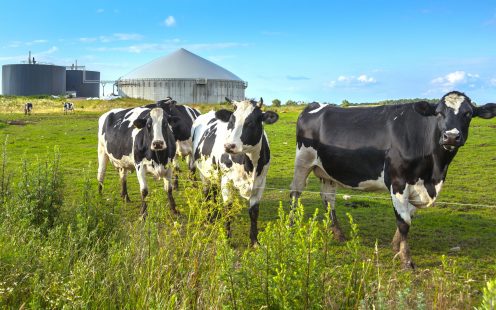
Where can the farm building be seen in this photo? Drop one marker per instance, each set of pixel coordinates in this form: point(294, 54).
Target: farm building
point(184, 76)
point(34, 78)
point(83, 83)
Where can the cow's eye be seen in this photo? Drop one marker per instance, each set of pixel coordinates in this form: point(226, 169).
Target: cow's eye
point(468, 114)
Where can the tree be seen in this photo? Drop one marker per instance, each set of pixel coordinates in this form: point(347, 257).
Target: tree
point(276, 103)
point(345, 103)
point(291, 102)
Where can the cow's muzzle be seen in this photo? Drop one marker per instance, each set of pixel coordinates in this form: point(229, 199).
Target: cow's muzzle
point(158, 145)
point(450, 141)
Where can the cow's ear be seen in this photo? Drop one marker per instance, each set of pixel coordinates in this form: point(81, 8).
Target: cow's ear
point(139, 123)
point(486, 111)
point(260, 103)
point(270, 117)
point(165, 103)
point(223, 115)
point(425, 108)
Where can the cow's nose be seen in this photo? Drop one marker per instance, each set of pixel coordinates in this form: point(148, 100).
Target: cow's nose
point(158, 145)
point(451, 138)
point(229, 147)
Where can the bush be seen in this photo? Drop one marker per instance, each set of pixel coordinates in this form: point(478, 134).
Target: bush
point(95, 252)
point(276, 103)
point(489, 298)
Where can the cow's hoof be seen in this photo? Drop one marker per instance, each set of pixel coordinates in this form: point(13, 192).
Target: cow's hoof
point(338, 234)
point(406, 262)
point(408, 265)
point(175, 212)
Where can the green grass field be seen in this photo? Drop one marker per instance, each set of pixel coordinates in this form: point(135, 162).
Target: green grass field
point(453, 243)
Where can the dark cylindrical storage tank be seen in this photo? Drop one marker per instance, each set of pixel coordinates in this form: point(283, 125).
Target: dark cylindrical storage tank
point(33, 79)
point(85, 83)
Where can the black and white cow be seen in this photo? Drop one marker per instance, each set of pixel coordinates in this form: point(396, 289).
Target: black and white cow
point(137, 139)
point(181, 129)
point(28, 107)
point(404, 149)
point(68, 106)
point(235, 145)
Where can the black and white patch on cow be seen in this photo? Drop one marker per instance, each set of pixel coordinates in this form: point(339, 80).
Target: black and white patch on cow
point(234, 145)
point(404, 149)
point(181, 129)
point(28, 107)
point(68, 107)
point(137, 139)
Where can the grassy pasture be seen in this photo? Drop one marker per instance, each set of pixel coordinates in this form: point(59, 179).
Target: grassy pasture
point(458, 221)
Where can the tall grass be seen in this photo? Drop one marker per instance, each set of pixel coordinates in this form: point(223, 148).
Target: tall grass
point(94, 252)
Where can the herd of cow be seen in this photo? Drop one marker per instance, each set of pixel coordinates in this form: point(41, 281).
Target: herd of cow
point(68, 107)
point(404, 149)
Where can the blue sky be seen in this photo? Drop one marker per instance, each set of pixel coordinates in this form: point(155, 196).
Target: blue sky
point(326, 51)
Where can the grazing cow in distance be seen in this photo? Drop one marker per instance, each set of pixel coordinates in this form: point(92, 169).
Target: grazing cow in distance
point(235, 145)
point(28, 107)
point(181, 129)
point(68, 106)
point(404, 149)
point(137, 139)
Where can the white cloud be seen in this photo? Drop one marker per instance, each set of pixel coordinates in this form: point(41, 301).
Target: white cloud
point(128, 36)
point(15, 44)
point(366, 79)
point(99, 11)
point(51, 50)
point(112, 38)
point(170, 21)
point(352, 81)
point(87, 40)
point(493, 81)
point(455, 79)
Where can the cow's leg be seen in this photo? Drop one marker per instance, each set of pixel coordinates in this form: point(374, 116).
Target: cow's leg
point(403, 211)
point(225, 188)
point(123, 177)
point(177, 170)
point(168, 189)
point(303, 166)
point(191, 166)
point(328, 195)
point(102, 166)
point(141, 174)
point(256, 196)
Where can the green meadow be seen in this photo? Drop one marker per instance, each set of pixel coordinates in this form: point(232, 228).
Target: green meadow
point(64, 246)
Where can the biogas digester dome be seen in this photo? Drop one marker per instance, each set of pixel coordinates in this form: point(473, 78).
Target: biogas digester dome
point(183, 76)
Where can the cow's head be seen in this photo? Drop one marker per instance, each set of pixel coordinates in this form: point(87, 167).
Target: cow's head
point(454, 112)
point(180, 129)
point(245, 124)
point(155, 126)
